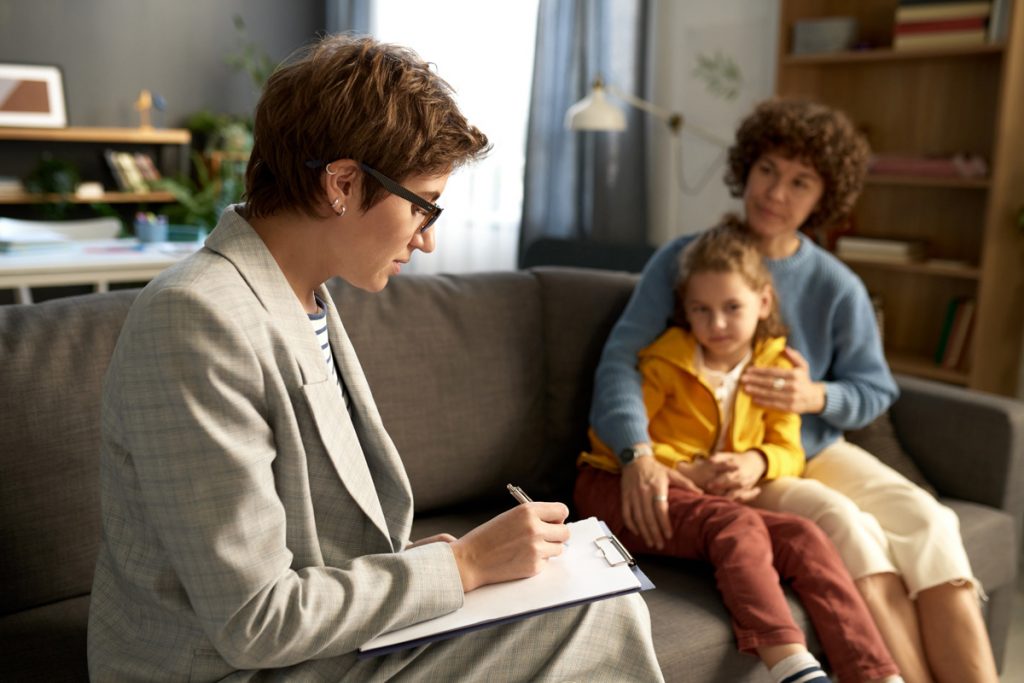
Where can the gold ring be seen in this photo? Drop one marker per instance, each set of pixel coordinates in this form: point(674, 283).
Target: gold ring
point(778, 384)
point(660, 499)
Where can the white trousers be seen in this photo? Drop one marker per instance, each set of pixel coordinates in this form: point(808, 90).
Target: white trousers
point(879, 520)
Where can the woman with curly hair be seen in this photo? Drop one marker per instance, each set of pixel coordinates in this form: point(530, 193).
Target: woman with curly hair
point(799, 164)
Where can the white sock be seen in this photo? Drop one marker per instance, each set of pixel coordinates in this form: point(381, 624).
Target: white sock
point(799, 668)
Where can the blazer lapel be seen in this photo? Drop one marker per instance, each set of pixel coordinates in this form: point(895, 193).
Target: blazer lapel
point(393, 486)
point(235, 239)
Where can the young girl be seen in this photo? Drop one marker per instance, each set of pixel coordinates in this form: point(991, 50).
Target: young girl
point(726, 319)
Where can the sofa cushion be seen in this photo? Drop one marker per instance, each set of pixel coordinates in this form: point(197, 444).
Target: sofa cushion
point(54, 357)
point(46, 643)
point(456, 368)
point(988, 538)
point(879, 439)
point(580, 308)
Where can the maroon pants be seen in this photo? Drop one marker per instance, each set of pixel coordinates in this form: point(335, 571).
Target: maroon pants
point(751, 551)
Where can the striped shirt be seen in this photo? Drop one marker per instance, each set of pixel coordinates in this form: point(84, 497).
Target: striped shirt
point(318, 321)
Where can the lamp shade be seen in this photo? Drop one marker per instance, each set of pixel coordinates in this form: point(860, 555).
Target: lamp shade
point(595, 112)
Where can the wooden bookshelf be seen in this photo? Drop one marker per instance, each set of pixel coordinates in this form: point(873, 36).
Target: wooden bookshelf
point(966, 100)
point(106, 197)
point(917, 267)
point(129, 136)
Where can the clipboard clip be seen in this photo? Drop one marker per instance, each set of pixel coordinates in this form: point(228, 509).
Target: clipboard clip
point(614, 552)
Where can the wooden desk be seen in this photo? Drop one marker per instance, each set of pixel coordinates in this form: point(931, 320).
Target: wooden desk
point(89, 262)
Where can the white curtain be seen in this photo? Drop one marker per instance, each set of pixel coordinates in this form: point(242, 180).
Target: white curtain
point(489, 64)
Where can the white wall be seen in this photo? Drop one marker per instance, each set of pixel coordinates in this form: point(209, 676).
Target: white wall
point(746, 31)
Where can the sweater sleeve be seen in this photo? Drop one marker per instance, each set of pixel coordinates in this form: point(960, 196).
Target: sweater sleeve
point(617, 412)
point(858, 384)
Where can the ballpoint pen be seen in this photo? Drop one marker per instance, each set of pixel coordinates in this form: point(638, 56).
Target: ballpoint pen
point(519, 494)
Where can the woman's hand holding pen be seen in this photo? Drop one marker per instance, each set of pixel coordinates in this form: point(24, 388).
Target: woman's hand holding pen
point(513, 545)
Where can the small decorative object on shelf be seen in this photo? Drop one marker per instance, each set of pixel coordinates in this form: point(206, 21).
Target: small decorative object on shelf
point(829, 34)
point(150, 228)
point(144, 104)
point(32, 96)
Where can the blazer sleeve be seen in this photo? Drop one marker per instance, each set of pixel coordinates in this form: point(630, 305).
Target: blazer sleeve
point(196, 428)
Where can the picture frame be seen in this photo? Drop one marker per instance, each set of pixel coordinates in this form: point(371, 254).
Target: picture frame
point(32, 96)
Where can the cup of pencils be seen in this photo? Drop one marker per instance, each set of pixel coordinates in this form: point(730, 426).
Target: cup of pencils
point(150, 227)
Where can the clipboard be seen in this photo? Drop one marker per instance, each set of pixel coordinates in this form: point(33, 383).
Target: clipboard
point(595, 566)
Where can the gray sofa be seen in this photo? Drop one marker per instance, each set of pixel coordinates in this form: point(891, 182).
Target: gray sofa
point(481, 380)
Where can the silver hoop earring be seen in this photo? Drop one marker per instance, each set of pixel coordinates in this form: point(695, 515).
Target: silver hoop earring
point(329, 171)
point(334, 205)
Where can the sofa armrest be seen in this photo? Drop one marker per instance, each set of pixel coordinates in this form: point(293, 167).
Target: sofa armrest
point(969, 444)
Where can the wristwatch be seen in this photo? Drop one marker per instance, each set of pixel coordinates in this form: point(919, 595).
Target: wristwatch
point(631, 453)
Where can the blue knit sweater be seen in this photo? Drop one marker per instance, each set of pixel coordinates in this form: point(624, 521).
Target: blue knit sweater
point(831, 322)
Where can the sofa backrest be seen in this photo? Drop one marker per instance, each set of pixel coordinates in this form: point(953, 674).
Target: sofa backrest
point(483, 379)
point(480, 379)
point(53, 356)
point(456, 367)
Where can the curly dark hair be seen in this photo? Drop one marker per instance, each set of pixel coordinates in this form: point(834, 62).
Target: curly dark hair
point(810, 132)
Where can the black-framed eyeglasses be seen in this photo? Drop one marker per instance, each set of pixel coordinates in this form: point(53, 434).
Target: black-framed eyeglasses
point(432, 211)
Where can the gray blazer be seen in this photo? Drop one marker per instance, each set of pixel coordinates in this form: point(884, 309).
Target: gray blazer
point(248, 521)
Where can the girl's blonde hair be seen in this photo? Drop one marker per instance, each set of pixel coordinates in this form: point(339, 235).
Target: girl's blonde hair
point(727, 248)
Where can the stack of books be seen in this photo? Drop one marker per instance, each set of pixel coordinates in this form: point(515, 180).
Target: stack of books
point(955, 166)
point(132, 172)
point(22, 236)
point(879, 249)
point(954, 339)
point(924, 24)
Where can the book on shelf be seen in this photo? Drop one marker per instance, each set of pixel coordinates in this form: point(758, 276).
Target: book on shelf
point(878, 306)
point(958, 334)
point(879, 249)
point(937, 39)
point(998, 22)
point(954, 166)
point(941, 25)
point(147, 168)
point(937, 10)
point(947, 324)
point(129, 174)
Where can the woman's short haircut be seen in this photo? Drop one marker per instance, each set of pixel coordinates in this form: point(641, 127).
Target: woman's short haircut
point(819, 136)
point(349, 97)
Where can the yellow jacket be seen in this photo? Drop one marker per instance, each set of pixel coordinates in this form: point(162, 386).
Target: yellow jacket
point(683, 415)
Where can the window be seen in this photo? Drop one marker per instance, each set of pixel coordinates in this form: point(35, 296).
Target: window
point(485, 51)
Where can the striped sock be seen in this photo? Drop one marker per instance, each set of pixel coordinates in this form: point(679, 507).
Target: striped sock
point(799, 668)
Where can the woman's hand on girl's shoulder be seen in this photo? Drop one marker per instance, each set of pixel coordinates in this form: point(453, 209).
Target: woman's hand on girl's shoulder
point(786, 389)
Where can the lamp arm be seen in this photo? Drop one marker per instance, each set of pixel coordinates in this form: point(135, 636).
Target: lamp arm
point(674, 120)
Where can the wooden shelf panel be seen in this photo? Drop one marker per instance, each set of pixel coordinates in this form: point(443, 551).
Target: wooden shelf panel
point(924, 367)
point(918, 267)
point(927, 181)
point(890, 55)
point(136, 136)
point(108, 197)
